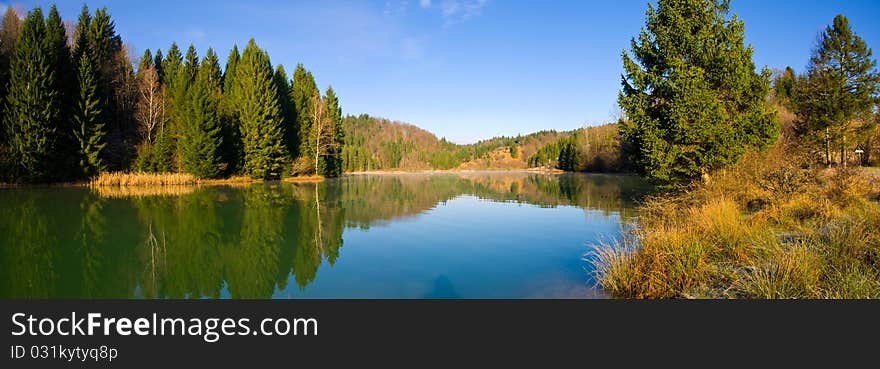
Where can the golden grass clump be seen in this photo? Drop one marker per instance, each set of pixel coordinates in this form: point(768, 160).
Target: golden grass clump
point(143, 179)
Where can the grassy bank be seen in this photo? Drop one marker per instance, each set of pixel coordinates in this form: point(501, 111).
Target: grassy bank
point(765, 228)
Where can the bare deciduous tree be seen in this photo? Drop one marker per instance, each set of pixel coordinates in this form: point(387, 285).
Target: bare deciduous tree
point(150, 111)
point(322, 129)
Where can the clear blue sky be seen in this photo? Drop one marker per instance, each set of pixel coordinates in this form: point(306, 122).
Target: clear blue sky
point(463, 69)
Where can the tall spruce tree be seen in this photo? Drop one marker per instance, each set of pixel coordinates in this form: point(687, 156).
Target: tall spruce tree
point(32, 103)
point(200, 139)
point(303, 90)
point(693, 100)
point(65, 166)
point(258, 111)
point(191, 63)
point(285, 104)
point(228, 110)
point(157, 63)
point(9, 31)
point(835, 98)
point(88, 128)
point(145, 63)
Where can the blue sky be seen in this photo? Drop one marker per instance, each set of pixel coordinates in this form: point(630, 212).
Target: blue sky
point(463, 69)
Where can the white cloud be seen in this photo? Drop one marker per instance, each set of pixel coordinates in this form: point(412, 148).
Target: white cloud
point(455, 11)
point(395, 8)
point(425, 3)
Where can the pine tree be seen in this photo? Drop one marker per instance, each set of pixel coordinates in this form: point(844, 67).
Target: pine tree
point(285, 104)
point(835, 98)
point(330, 164)
point(200, 138)
point(257, 100)
point(783, 86)
point(229, 73)
point(66, 85)
point(9, 31)
point(228, 110)
point(32, 103)
point(157, 64)
point(191, 63)
point(88, 127)
point(166, 138)
point(303, 90)
point(145, 63)
point(692, 98)
point(171, 64)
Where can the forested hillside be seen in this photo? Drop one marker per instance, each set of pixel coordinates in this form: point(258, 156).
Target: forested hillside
point(373, 143)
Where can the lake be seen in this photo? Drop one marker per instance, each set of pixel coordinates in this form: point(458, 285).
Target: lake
point(463, 235)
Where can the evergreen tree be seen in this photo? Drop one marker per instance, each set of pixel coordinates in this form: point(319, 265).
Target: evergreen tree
point(171, 64)
point(145, 63)
point(692, 98)
point(783, 86)
point(303, 90)
point(66, 85)
point(32, 103)
point(835, 98)
point(257, 100)
point(232, 146)
point(88, 127)
point(229, 73)
point(331, 160)
point(9, 31)
point(200, 138)
point(166, 141)
point(285, 105)
point(191, 63)
point(157, 63)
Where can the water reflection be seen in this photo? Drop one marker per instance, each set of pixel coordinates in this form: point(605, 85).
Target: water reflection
point(242, 242)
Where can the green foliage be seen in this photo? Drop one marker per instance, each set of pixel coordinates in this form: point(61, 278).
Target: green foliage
point(228, 110)
point(834, 99)
point(200, 139)
point(330, 163)
point(691, 95)
point(288, 113)
point(88, 126)
point(257, 99)
point(302, 91)
point(567, 155)
point(32, 104)
point(783, 86)
point(145, 63)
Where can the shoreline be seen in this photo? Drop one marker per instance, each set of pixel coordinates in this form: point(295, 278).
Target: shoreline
point(155, 179)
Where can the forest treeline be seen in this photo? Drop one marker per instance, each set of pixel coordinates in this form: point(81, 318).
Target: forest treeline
point(75, 105)
point(373, 143)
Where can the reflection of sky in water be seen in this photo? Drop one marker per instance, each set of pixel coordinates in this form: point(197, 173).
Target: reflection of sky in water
point(469, 248)
point(478, 235)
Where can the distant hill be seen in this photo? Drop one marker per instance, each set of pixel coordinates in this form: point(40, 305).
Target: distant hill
point(373, 143)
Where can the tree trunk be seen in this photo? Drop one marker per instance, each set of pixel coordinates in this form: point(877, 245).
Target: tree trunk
point(843, 152)
point(827, 148)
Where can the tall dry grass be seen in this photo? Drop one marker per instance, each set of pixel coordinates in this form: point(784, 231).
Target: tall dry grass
point(143, 179)
point(765, 228)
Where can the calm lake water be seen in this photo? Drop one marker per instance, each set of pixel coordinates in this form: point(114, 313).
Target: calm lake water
point(476, 235)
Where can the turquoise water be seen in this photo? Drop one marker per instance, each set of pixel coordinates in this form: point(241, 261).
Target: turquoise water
point(476, 235)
